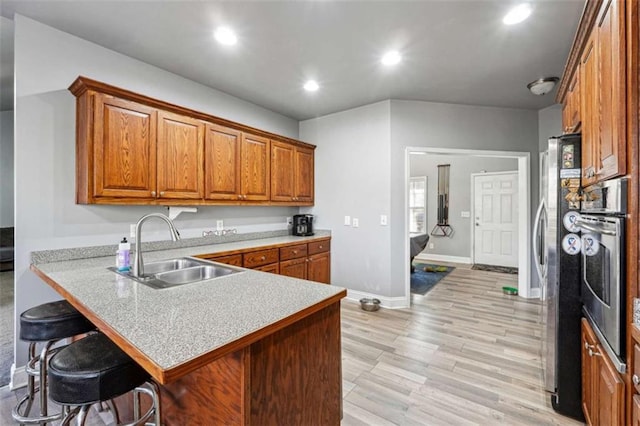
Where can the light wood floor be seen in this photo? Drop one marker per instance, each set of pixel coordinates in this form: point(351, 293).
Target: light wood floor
point(464, 354)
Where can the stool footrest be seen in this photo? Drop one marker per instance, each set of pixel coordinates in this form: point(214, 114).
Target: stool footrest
point(18, 417)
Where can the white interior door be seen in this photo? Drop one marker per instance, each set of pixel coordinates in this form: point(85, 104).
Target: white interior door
point(496, 219)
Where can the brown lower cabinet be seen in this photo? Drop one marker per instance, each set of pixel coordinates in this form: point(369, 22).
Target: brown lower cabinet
point(602, 386)
point(307, 261)
point(636, 411)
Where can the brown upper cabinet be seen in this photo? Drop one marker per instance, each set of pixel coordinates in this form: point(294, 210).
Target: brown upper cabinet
point(571, 119)
point(255, 168)
point(291, 173)
point(236, 165)
point(594, 99)
point(132, 149)
point(179, 157)
point(119, 159)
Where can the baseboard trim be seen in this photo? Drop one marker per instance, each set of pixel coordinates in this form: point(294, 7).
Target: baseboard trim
point(18, 377)
point(385, 301)
point(534, 293)
point(444, 258)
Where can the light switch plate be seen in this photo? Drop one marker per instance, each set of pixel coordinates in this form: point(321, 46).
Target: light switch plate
point(383, 220)
point(132, 230)
point(347, 221)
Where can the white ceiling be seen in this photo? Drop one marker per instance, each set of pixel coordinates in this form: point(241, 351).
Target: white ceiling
point(453, 51)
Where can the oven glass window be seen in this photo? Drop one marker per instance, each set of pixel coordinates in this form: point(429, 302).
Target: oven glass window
point(596, 272)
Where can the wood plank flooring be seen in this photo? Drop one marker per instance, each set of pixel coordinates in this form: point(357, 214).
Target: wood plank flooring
point(464, 354)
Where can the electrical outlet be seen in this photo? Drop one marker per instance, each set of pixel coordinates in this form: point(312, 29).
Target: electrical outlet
point(347, 221)
point(219, 225)
point(132, 230)
point(383, 220)
point(355, 223)
point(289, 220)
point(431, 245)
point(465, 214)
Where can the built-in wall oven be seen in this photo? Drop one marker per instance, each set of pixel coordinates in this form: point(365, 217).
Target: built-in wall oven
point(602, 226)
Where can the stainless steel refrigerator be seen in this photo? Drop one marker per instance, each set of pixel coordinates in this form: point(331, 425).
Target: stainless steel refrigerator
point(556, 241)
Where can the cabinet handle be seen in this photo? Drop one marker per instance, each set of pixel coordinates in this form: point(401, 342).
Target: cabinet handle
point(592, 353)
point(162, 193)
point(319, 246)
point(636, 379)
point(295, 252)
point(153, 193)
point(263, 258)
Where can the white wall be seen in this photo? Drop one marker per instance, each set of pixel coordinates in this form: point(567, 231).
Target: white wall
point(459, 244)
point(352, 179)
point(6, 169)
point(47, 61)
point(549, 124)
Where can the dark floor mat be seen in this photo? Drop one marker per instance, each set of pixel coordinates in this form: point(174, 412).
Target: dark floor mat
point(494, 268)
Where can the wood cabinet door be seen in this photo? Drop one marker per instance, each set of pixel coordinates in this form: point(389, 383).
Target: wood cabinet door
point(589, 374)
point(255, 168)
point(571, 119)
point(180, 145)
point(319, 268)
point(124, 150)
point(589, 109)
point(274, 268)
point(222, 163)
point(610, 392)
point(296, 268)
point(304, 174)
point(282, 171)
point(611, 89)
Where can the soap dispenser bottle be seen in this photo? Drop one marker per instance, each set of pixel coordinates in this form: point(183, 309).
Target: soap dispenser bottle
point(123, 262)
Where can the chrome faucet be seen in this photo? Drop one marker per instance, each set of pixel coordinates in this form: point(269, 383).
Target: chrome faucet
point(138, 265)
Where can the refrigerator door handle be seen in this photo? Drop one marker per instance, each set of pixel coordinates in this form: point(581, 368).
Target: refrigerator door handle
point(536, 253)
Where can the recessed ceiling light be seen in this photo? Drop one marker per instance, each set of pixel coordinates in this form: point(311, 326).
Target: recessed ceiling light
point(224, 35)
point(391, 58)
point(517, 14)
point(311, 86)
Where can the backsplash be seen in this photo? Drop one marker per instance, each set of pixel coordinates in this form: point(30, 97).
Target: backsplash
point(46, 256)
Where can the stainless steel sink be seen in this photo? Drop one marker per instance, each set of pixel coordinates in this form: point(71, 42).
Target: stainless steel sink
point(169, 265)
point(175, 272)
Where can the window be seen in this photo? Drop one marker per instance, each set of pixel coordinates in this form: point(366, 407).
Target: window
point(418, 205)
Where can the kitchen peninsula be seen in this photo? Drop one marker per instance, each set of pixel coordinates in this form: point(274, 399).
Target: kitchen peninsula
point(248, 348)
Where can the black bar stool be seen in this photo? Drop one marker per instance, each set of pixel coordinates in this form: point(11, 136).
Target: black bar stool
point(95, 370)
point(46, 324)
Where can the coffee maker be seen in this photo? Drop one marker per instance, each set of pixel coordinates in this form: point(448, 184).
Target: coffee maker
point(303, 225)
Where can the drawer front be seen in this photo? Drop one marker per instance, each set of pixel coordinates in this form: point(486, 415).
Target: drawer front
point(319, 246)
point(293, 252)
point(232, 259)
point(260, 258)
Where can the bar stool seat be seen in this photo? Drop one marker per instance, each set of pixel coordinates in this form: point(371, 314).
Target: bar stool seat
point(45, 324)
point(52, 321)
point(94, 370)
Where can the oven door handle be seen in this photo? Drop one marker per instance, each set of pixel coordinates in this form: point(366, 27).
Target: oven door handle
point(594, 228)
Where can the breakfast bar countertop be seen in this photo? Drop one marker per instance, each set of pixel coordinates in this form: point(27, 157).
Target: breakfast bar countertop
point(176, 330)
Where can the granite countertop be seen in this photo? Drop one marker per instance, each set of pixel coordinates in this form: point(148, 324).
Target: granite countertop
point(172, 327)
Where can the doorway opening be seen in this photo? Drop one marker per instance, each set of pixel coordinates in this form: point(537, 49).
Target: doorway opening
point(479, 158)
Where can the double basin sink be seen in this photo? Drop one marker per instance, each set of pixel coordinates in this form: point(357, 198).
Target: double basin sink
point(175, 272)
